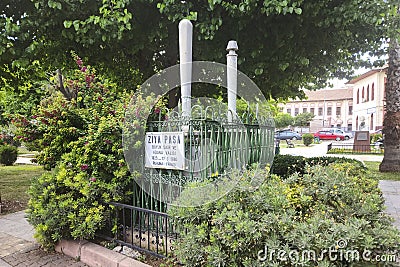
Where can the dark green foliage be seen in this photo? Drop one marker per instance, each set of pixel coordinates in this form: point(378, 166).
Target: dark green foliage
point(283, 120)
point(8, 154)
point(286, 165)
point(127, 36)
point(307, 139)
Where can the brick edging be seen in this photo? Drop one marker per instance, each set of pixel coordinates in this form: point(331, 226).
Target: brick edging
point(95, 255)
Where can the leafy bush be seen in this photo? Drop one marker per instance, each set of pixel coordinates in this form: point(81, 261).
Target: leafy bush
point(7, 135)
point(69, 203)
point(307, 139)
point(8, 154)
point(328, 160)
point(286, 165)
point(59, 121)
point(82, 139)
point(375, 137)
point(314, 212)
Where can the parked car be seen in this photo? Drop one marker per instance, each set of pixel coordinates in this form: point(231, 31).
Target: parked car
point(328, 135)
point(379, 131)
point(347, 135)
point(287, 134)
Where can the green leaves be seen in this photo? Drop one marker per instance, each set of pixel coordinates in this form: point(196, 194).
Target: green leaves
point(312, 212)
point(81, 140)
point(303, 119)
point(54, 4)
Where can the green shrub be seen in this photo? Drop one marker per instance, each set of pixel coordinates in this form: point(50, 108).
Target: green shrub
point(82, 139)
point(307, 139)
point(314, 212)
point(58, 121)
point(374, 137)
point(8, 154)
point(286, 165)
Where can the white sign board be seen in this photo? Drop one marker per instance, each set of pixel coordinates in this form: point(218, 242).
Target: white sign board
point(371, 110)
point(165, 150)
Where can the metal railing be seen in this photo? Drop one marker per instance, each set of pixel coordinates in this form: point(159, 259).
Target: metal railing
point(145, 230)
point(354, 149)
point(214, 147)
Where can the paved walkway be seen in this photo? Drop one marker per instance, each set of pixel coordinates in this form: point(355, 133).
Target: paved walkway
point(18, 247)
point(25, 159)
point(320, 150)
point(391, 193)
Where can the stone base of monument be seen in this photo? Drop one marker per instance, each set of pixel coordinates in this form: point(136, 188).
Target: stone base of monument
point(361, 142)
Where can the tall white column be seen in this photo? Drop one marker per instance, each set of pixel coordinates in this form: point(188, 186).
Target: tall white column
point(231, 65)
point(185, 55)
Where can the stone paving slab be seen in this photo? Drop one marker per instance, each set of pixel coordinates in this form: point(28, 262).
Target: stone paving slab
point(10, 244)
point(17, 224)
point(391, 194)
point(18, 247)
point(37, 257)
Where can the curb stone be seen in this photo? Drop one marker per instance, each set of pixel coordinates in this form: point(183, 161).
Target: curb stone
point(95, 255)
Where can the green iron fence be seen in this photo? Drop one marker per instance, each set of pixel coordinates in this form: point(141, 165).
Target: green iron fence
point(213, 148)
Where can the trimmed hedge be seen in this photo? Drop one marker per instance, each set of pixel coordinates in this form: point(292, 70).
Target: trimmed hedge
point(286, 165)
point(307, 139)
point(8, 154)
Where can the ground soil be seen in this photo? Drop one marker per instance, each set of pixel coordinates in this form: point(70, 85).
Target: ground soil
point(12, 206)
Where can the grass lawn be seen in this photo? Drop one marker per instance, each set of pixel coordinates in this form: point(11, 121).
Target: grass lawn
point(14, 183)
point(373, 170)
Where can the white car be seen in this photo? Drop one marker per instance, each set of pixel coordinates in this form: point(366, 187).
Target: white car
point(347, 135)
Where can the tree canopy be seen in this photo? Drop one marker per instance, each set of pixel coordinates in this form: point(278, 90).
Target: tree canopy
point(284, 45)
point(303, 119)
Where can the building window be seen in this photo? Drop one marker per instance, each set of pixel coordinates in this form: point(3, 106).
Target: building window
point(368, 92)
point(372, 92)
point(338, 109)
point(304, 110)
point(289, 111)
point(329, 111)
point(296, 111)
point(349, 127)
point(319, 111)
point(312, 110)
point(350, 110)
point(358, 96)
point(363, 94)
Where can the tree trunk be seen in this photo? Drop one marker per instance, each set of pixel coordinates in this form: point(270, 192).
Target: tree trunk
point(391, 123)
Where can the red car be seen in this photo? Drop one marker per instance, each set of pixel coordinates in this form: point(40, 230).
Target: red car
point(328, 135)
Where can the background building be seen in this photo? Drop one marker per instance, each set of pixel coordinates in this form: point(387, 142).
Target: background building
point(331, 107)
point(369, 100)
point(359, 105)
